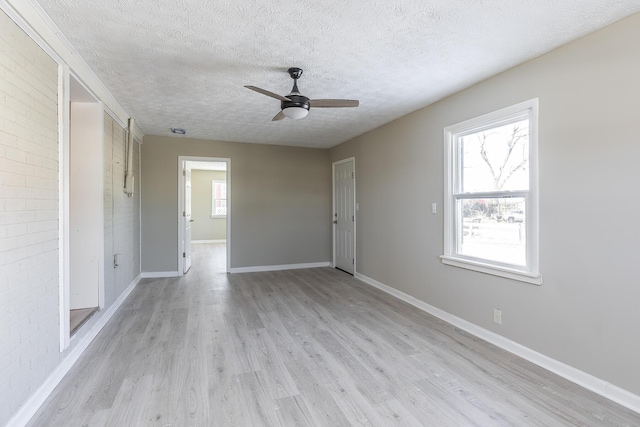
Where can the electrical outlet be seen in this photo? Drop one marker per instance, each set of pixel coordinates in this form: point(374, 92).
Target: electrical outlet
point(497, 316)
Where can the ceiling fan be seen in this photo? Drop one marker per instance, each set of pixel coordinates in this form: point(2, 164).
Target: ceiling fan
point(295, 105)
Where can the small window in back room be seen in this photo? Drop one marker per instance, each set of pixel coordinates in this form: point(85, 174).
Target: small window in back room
point(491, 205)
point(219, 199)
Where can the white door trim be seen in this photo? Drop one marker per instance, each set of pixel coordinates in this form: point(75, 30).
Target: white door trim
point(186, 223)
point(63, 205)
point(64, 200)
point(333, 210)
point(181, 205)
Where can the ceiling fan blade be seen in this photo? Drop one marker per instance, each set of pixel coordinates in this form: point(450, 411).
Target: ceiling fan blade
point(278, 116)
point(268, 93)
point(333, 103)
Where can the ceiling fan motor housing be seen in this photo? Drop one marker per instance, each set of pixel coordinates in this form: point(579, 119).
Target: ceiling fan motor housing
point(296, 101)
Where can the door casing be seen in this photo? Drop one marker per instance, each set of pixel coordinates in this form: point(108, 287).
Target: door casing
point(181, 184)
point(186, 242)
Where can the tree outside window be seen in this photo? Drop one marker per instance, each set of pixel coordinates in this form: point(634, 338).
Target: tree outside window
point(491, 206)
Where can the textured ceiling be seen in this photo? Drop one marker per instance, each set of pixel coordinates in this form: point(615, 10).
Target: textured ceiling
point(183, 63)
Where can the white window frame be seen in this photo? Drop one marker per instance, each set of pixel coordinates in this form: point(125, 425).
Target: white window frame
point(530, 272)
point(213, 197)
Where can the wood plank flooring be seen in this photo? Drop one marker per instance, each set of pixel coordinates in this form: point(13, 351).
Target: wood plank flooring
point(302, 348)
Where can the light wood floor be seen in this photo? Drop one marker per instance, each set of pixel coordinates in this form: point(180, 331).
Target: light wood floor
point(302, 348)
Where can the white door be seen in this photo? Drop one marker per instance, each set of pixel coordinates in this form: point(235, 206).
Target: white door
point(186, 243)
point(344, 215)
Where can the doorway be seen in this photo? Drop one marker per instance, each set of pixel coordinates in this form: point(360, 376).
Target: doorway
point(83, 213)
point(204, 214)
point(344, 217)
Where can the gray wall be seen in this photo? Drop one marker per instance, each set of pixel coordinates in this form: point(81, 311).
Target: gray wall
point(586, 312)
point(204, 227)
point(280, 202)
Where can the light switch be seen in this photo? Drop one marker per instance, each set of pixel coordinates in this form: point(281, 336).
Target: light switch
point(357, 206)
point(434, 208)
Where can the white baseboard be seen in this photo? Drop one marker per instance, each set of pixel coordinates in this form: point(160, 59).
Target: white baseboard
point(588, 381)
point(278, 267)
point(35, 401)
point(208, 241)
point(159, 274)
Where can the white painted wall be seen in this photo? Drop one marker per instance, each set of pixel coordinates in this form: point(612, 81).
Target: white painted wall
point(85, 205)
point(121, 213)
point(125, 211)
point(29, 252)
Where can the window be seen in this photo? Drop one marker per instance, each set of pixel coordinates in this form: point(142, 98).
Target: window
point(491, 193)
point(218, 199)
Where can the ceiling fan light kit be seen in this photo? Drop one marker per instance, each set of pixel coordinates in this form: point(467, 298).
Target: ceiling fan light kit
point(295, 113)
point(295, 105)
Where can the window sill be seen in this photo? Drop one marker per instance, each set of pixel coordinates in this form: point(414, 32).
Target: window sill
point(534, 279)
point(218, 216)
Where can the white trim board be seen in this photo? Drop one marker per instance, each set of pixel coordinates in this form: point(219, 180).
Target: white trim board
point(208, 241)
point(581, 378)
point(35, 401)
point(278, 267)
point(159, 274)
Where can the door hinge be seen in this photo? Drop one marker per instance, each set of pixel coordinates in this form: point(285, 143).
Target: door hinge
point(353, 218)
point(184, 213)
point(184, 254)
point(353, 261)
point(352, 175)
point(184, 172)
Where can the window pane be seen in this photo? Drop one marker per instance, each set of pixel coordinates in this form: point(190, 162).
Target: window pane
point(220, 190)
point(220, 207)
point(219, 197)
point(496, 159)
point(493, 229)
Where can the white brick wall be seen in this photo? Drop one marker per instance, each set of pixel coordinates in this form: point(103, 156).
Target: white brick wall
point(29, 318)
point(29, 344)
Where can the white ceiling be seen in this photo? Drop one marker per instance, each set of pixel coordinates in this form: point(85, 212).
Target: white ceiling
point(184, 63)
